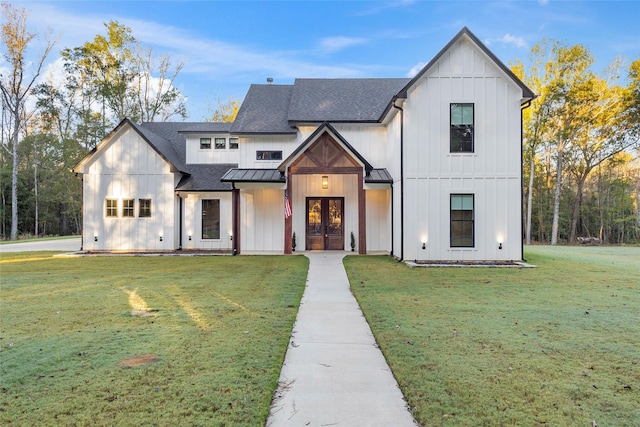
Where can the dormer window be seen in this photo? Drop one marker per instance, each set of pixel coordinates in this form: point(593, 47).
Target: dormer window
point(461, 128)
point(221, 143)
point(205, 143)
point(233, 143)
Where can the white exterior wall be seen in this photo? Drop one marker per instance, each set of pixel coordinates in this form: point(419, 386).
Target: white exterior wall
point(262, 220)
point(248, 147)
point(492, 172)
point(192, 218)
point(197, 155)
point(128, 168)
point(378, 220)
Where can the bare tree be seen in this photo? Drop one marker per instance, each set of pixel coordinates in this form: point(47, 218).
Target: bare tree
point(16, 87)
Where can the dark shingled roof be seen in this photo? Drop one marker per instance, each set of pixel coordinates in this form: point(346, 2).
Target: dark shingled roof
point(206, 127)
point(168, 137)
point(172, 152)
point(205, 178)
point(253, 175)
point(342, 100)
point(264, 110)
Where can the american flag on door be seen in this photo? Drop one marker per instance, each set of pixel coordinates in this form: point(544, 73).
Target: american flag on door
point(287, 206)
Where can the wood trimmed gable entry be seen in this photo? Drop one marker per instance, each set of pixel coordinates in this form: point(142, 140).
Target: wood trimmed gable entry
point(327, 156)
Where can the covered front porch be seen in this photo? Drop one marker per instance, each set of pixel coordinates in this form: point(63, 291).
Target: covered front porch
point(325, 196)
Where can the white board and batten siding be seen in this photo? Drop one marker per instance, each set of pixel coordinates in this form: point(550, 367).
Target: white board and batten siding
point(129, 168)
point(463, 74)
point(197, 155)
point(262, 220)
point(192, 236)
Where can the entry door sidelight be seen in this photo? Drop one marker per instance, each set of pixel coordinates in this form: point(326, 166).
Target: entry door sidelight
point(325, 229)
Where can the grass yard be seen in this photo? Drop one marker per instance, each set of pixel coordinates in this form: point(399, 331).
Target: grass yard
point(213, 332)
point(557, 345)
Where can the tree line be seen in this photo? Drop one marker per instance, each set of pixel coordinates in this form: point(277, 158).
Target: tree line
point(580, 153)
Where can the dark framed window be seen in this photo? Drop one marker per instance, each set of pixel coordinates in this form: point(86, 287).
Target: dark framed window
point(233, 143)
point(127, 208)
point(111, 206)
point(210, 219)
point(221, 143)
point(462, 128)
point(205, 143)
point(268, 155)
point(462, 221)
point(144, 208)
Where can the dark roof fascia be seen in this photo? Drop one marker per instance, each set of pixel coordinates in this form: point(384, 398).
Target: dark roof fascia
point(324, 126)
point(315, 122)
point(240, 134)
point(526, 92)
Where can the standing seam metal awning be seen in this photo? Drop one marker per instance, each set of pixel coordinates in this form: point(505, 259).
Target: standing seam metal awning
point(376, 176)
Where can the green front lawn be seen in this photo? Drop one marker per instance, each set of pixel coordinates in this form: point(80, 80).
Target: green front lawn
point(215, 328)
point(557, 345)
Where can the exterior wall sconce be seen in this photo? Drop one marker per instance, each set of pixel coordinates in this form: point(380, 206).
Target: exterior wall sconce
point(161, 238)
point(231, 237)
point(189, 236)
point(500, 245)
point(424, 245)
point(95, 238)
point(325, 182)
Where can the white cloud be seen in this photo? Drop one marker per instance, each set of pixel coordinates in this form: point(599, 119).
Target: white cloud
point(334, 44)
point(509, 39)
point(416, 69)
point(543, 2)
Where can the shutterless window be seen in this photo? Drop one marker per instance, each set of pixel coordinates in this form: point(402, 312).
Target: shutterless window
point(205, 143)
point(268, 155)
point(462, 220)
point(127, 208)
point(462, 128)
point(221, 143)
point(233, 143)
point(210, 219)
point(111, 208)
point(144, 208)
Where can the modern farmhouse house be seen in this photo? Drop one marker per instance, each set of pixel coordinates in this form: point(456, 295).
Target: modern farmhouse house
point(427, 168)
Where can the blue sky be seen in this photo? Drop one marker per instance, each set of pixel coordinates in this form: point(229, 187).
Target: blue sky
point(226, 46)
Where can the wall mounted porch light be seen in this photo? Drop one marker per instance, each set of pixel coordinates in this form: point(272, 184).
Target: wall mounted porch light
point(189, 236)
point(161, 238)
point(95, 238)
point(500, 245)
point(424, 245)
point(325, 182)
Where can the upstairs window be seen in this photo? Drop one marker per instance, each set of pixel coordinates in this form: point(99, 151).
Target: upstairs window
point(205, 143)
point(144, 208)
point(268, 155)
point(233, 143)
point(461, 128)
point(462, 221)
point(221, 143)
point(127, 208)
point(111, 206)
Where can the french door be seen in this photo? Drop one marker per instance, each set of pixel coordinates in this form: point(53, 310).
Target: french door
point(325, 229)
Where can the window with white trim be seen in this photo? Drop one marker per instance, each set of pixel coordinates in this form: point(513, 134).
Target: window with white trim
point(462, 118)
point(205, 143)
point(111, 208)
point(462, 221)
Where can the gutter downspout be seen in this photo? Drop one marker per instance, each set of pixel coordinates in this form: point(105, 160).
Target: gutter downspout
point(180, 223)
point(235, 197)
point(522, 108)
point(401, 178)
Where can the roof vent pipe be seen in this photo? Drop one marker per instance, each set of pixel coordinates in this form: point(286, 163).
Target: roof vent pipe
point(269, 80)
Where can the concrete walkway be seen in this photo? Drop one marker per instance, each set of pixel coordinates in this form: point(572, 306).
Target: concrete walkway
point(333, 373)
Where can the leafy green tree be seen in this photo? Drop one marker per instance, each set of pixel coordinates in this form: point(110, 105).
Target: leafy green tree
point(16, 88)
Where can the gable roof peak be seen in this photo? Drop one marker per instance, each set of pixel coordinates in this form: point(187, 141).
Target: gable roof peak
point(465, 32)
